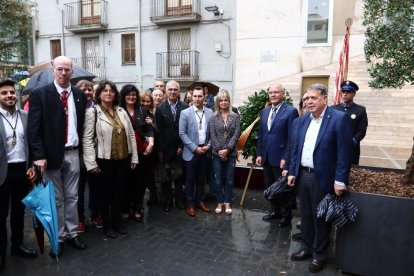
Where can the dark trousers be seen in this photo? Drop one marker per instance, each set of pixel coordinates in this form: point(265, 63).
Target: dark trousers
point(13, 190)
point(85, 177)
point(166, 186)
point(196, 176)
point(109, 189)
point(136, 182)
point(315, 232)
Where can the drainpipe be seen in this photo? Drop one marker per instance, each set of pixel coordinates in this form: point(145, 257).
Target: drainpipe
point(140, 46)
point(62, 27)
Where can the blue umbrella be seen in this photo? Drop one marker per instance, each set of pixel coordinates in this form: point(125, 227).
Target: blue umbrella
point(42, 201)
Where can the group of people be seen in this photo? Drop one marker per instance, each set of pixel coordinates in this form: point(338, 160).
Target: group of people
point(121, 142)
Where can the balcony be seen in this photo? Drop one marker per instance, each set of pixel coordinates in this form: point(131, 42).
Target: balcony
point(86, 16)
point(175, 11)
point(179, 65)
point(95, 65)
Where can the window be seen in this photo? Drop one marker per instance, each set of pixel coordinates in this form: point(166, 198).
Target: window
point(128, 48)
point(179, 7)
point(179, 53)
point(91, 12)
point(319, 22)
point(55, 49)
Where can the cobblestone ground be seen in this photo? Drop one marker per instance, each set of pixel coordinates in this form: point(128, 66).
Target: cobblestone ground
point(175, 244)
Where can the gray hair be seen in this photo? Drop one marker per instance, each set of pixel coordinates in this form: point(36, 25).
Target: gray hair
point(320, 87)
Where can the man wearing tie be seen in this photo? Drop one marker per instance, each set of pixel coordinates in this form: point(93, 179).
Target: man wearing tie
point(14, 185)
point(56, 117)
point(272, 147)
point(319, 164)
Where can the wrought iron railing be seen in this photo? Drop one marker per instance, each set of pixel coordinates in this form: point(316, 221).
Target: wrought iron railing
point(177, 65)
point(83, 14)
point(95, 65)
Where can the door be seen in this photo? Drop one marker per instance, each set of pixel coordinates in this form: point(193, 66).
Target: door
point(91, 12)
point(91, 58)
point(179, 53)
point(179, 7)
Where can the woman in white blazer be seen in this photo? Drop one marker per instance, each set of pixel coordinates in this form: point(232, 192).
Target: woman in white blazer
point(109, 150)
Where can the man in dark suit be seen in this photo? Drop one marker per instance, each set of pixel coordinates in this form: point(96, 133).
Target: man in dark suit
point(319, 164)
point(56, 117)
point(170, 146)
point(274, 135)
point(357, 115)
point(14, 185)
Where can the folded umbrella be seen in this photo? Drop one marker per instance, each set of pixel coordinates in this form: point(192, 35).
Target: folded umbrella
point(42, 202)
point(279, 191)
point(338, 210)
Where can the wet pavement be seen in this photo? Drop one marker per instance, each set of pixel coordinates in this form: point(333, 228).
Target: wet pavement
point(176, 244)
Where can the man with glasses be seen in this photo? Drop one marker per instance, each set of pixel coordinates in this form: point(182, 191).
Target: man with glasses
point(170, 146)
point(272, 147)
point(56, 117)
point(357, 115)
point(319, 163)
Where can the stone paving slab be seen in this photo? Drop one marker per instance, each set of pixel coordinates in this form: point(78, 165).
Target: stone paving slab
point(175, 244)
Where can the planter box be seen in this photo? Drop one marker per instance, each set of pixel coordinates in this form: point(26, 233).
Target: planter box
point(256, 180)
point(381, 241)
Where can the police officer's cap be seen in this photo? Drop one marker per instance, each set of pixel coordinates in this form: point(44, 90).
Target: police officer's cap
point(349, 86)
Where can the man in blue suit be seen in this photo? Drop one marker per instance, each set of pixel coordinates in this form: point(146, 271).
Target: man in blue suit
point(321, 150)
point(274, 134)
point(194, 132)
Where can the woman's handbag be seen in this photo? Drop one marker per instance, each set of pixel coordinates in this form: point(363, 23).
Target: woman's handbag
point(142, 143)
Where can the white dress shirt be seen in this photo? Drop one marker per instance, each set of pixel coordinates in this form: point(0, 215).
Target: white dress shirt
point(16, 153)
point(202, 131)
point(274, 110)
point(73, 139)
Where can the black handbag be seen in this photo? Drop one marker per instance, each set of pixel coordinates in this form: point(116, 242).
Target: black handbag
point(279, 191)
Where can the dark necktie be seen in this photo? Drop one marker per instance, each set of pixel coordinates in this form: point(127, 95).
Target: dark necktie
point(64, 99)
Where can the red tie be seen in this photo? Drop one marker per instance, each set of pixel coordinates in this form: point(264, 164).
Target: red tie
point(64, 99)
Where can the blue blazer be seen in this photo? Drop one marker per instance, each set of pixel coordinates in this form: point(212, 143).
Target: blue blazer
point(188, 131)
point(272, 145)
point(333, 148)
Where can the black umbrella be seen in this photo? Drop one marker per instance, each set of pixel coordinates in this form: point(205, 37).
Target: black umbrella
point(279, 190)
point(44, 77)
point(338, 210)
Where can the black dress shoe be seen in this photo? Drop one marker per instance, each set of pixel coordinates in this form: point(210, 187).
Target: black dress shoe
point(179, 204)
point(297, 237)
point(272, 215)
point(120, 229)
point(316, 265)
point(60, 251)
point(284, 222)
point(22, 250)
point(2, 262)
point(77, 243)
point(167, 206)
point(300, 256)
point(109, 233)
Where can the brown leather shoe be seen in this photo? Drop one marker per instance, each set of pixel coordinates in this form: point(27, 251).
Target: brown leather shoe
point(316, 265)
point(203, 207)
point(190, 211)
point(300, 256)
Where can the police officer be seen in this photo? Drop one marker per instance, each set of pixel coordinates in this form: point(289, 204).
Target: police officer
point(357, 114)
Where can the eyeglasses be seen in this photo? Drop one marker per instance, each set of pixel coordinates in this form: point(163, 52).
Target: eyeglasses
point(66, 70)
point(172, 89)
point(276, 92)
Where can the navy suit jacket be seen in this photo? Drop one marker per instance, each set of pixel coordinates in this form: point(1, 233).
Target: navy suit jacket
point(47, 126)
point(273, 145)
point(333, 148)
